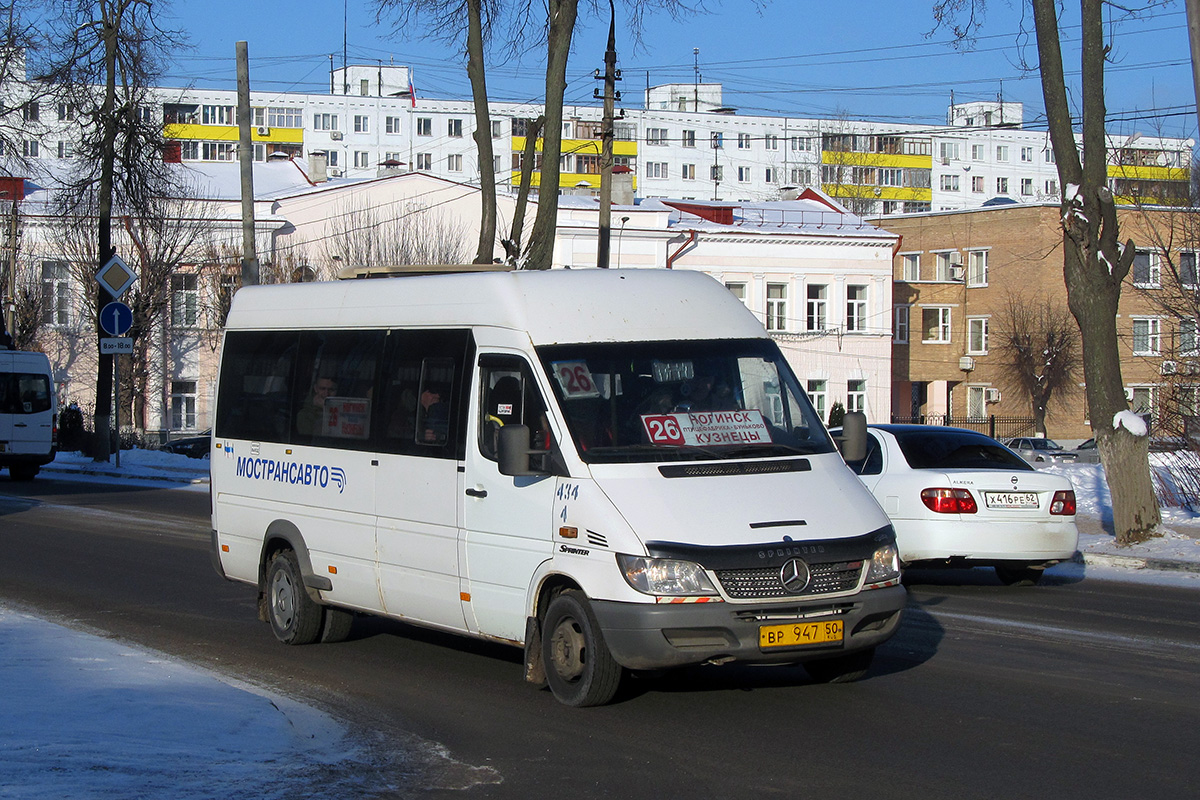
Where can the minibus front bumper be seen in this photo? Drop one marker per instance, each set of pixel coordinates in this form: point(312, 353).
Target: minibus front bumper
point(643, 636)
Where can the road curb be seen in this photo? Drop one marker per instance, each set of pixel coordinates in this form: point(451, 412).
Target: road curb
point(190, 478)
point(1135, 562)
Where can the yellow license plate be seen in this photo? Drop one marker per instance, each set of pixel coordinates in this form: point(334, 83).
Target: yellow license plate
point(800, 633)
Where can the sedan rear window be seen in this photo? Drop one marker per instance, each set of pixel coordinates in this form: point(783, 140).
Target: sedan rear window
point(954, 449)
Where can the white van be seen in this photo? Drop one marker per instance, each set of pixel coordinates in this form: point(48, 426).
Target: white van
point(615, 470)
point(28, 421)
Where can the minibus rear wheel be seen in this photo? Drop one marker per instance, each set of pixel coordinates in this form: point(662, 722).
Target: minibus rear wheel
point(579, 667)
point(295, 618)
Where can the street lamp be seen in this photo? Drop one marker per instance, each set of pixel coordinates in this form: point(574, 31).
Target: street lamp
point(620, 234)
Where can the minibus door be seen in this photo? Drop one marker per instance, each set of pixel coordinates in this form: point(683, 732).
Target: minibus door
point(8, 404)
point(507, 520)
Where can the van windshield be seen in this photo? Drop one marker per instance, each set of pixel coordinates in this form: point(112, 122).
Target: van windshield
point(682, 400)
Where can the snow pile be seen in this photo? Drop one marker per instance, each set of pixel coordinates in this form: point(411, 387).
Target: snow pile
point(1130, 422)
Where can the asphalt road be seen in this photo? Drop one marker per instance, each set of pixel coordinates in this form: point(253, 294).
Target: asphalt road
point(1075, 689)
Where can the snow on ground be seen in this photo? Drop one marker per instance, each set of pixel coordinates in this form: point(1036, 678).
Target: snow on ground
point(85, 716)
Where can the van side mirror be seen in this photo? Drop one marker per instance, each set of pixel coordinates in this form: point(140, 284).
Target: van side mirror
point(853, 440)
point(513, 451)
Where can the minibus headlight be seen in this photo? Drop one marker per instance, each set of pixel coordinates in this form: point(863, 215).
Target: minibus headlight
point(665, 576)
point(884, 565)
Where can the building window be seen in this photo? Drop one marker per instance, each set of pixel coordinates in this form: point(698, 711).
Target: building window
point(656, 136)
point(935, 325)
point(976, 405)
point(716, 173)
point(977, 268)
point(425, 161)
point(454, 128)
point(949, 183)
point(1187, 269)
point(424, 126)
point(31, 112)
point(743, 141)
point(949, 151)
point(364, 87)
point(718, 140)
point(362, 159)
point(769, 175)
point(216, 115)
point(1001, 152)
point(777, 306)
point(1146, 269)
point(1141, 400)
point(911, 270)
point(391, 125)
point(743, 174)
point(1052, 187)
point(1001, 185)
point(856, 309)
point(689, 172)
point(185, 301)
point(977, 184)
point(771, 141)
point(817, 392)
point(656, 169)
point(977, 152)
point(325, 122)
point(689, 139)
point(1027, 155)
point(454, 162)
point(816, 312)
point(900, 331)
point(1187, 337)
point(217, 151)
point(738, 290)
point(800, 176)
point(945, 267)
point(977, 336)
point(1026, 187)
point(362, 124)
point(183, 405)
point(1146, 337)
point(856, 395)
point(285, 117)
point(56, 293)
point(801, 144)
point(31, 148)
point(1048, 156)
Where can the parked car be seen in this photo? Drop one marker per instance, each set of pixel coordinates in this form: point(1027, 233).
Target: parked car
point(1087, 452)
point(959, 498)
point(1037, 450)
point(191, 446)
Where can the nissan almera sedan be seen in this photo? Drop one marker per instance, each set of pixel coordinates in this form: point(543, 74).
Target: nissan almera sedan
point(959, 498)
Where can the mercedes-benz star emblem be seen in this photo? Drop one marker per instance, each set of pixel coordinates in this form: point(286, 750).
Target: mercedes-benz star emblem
point(794, 576)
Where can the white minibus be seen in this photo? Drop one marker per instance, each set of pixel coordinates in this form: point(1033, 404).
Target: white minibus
point(613, 469)
point(28, 422)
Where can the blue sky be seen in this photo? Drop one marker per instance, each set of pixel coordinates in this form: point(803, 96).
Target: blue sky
point(861, 60)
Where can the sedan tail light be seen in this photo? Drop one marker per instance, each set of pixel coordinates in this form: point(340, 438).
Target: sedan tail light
point(949, 501)
point(1063, 503)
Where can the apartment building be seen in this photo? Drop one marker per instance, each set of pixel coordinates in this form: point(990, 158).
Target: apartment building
point(683, 142)
point(956, 274)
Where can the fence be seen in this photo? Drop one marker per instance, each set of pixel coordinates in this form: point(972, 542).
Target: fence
point(996, 427)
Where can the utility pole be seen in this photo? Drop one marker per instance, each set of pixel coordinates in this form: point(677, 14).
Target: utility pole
point(696, 82)
point(246, 161)
point(611, 95)
point(1193, 21)
point(10, 297)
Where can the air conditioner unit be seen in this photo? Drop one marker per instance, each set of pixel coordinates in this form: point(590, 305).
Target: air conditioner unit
point(1168, 368)
point(956, 258)
point(336, 136)
point(956, 272)
point(334, 172)
point(263, 130)
point(966, 363)
point(991, 395)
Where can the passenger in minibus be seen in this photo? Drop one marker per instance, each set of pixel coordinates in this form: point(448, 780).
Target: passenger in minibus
point(308, 421)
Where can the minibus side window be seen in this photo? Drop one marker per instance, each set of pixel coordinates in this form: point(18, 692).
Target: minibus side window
point(24, 393)
point(509, 396)
point(257, 369)
point(422, 412)
point(335, 388)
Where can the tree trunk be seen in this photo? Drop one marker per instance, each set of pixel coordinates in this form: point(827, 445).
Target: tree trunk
point(483, 135)
point(101, 448)
point(512, 245)
point(1095, 264)
point(541, 241)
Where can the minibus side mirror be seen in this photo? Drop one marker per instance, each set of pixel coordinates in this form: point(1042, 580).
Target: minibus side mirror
point(853, 440)
point(514, 452)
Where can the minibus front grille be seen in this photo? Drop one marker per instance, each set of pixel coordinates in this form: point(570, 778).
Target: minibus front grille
point(760, 583)
point(735, 468)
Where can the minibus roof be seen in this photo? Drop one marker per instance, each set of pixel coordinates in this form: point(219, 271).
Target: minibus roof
point(554, 306)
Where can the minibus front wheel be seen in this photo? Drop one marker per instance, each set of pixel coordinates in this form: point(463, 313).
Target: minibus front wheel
point(295, 618)
point(579, 667)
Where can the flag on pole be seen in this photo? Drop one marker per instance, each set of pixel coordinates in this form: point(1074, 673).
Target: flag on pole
point(412, 93)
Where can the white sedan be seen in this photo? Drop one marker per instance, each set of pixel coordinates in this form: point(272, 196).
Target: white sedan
point(957, 497)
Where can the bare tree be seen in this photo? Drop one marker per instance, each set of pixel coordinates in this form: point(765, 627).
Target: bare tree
point(1095, 261)
point(1038, 345)
point(401, 233)
point(103, 58)
point(21, 122)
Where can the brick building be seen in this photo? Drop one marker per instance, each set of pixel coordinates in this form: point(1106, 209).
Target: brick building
point(955, 273)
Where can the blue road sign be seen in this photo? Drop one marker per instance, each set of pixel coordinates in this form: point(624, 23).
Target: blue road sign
point(116, 319)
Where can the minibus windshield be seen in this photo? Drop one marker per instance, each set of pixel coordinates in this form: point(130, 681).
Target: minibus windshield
point(682, 400)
